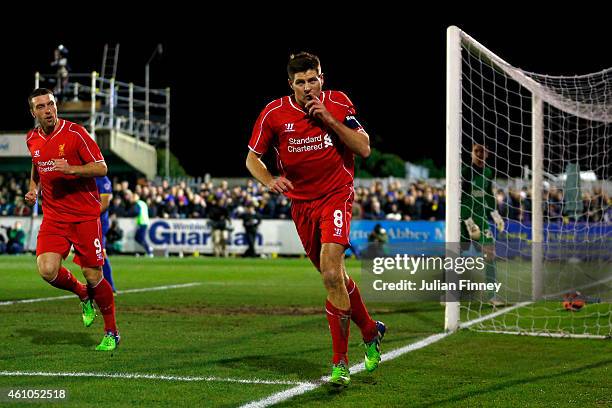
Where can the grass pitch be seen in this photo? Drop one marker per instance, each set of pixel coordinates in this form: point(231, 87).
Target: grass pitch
point(262, 320)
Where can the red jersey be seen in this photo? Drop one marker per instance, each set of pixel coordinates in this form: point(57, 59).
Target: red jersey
point(66, 198)
point(309, 155)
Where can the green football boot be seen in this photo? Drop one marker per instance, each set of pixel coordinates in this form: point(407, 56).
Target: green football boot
point(110, 342)
point(89, 312)
point(372, 349)
point(340, 376)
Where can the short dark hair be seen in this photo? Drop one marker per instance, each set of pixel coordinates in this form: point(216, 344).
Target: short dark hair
point(38, 92)
point(302, 62)
point(478, 144)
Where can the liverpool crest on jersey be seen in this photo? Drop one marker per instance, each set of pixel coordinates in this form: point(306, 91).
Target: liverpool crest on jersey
point(61, 149)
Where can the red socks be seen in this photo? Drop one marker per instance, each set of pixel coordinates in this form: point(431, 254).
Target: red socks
point(359, 313)
point(339, 321)
point(66, 280)
point(102, 293)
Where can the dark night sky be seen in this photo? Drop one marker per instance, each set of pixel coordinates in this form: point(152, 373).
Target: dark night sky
point(393, 68)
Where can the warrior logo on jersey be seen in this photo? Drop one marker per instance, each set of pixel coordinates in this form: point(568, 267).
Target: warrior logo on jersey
point(61, 149)
point(289, 127)
point(36, 153)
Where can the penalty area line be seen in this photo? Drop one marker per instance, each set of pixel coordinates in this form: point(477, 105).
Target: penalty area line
point(120, 292)
point(136, 376)
point(357, 368)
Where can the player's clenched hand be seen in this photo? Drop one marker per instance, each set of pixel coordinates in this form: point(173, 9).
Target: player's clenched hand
point(62, 166)
point(317, 110)
point(30, 197)
point(280, 185)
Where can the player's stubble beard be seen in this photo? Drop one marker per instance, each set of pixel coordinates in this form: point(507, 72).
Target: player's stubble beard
point(48, 127)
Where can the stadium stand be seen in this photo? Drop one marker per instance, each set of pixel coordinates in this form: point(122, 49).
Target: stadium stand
point(395, 200)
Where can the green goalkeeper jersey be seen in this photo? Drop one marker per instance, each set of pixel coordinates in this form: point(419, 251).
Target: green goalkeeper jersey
point(477, 200)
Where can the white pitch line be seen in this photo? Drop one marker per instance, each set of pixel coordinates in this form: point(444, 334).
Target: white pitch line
point(182, 285)
point(493, 315)
point(583, 287)
point(145, 377)
point(151, 289)
point(548, 334)
point(357, 368)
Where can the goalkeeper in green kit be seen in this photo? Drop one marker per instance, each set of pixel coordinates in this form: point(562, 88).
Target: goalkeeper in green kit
point(477, 207)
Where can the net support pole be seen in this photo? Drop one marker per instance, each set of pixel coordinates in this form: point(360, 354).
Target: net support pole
point(111, 107)
point(131, 109)
point(167, 156)
point(537, 213)
point(92, 123)
point(453, 159)
point(36, 86)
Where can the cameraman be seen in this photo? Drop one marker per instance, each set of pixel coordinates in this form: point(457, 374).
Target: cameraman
point(219, 222)
point(114, 237)
point(376, 241)
point(16, 239)
point(251, 220)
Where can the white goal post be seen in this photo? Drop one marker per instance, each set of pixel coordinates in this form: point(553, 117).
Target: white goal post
point(545, 136)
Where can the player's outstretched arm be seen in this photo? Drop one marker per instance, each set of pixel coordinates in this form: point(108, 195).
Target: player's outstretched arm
point(259, 170)
point(93, 169)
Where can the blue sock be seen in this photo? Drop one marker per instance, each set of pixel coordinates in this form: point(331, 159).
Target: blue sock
point(108, 273)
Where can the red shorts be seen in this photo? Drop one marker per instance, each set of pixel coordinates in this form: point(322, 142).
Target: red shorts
point(86, 237)
point(324, 220)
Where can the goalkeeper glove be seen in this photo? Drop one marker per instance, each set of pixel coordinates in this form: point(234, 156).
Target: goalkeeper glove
point(499, 222)
point(473, 229)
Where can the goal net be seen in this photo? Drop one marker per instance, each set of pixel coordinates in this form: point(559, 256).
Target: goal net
point(529, 187)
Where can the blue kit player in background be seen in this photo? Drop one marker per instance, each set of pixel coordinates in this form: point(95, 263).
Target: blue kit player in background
point(105, 189)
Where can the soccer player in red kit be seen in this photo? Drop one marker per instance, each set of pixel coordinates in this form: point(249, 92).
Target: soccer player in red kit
point(65, 160)
point(315, 136)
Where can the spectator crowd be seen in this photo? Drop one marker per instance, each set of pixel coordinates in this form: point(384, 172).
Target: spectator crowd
point(394, 200)
point(419, 202)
